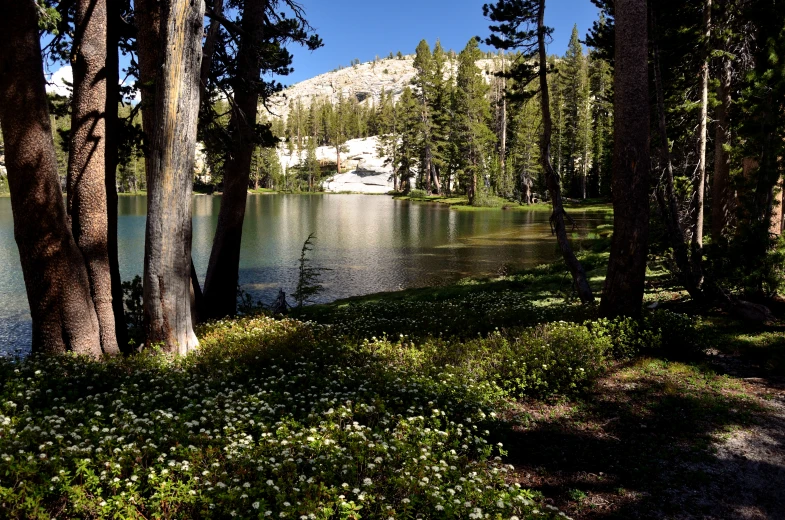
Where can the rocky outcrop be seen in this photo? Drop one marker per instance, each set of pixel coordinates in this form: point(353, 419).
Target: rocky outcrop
point(368, 172)
point(365, 81)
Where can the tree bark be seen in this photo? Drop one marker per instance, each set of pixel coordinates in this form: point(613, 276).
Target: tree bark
point(58, 288)
point(220, 288)
point(775, 222)
point(551, 179)
point(700, 183)
point(624, 283)
point(208, 51)
point(111, 156)
point(87, 207)
point(171, 146)
point(722, 194)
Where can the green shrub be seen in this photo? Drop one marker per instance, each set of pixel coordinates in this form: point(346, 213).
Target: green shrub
point(543, 360)
point(418, 194)
point(660, 332)
point(673, 334)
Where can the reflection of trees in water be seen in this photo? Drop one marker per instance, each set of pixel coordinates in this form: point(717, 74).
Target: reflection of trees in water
point(372, 243)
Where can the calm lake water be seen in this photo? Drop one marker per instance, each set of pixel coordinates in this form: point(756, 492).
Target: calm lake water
point(369, 243)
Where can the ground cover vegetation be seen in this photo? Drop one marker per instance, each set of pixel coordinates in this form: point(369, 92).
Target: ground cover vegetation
point(393, 405)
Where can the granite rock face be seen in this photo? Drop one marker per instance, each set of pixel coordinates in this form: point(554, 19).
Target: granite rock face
point(365, 81)
point(368, 171)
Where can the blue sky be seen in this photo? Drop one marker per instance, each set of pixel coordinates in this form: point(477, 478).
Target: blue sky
point(366, 28)
point(363, 29)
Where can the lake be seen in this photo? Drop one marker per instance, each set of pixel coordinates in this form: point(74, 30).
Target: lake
point(369, 244)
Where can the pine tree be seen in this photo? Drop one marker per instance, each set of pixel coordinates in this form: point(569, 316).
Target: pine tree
point(521, 24)
point(56, 279)
point(337, 129)
point(555, 82)
point(407, 152)
point(601, 81)
point(624, 284)
point(501, 180)
point(389, 126)
point(524, 148)
point(573, 74)
point(472, 117)
point(424, 80)
point(312, 168)
point(440, 114)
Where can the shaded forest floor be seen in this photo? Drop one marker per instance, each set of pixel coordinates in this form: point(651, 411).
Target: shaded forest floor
point(696, 434)
point(657, 439)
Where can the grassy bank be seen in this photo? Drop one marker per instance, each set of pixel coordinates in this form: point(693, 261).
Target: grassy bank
point(498, 396)
point(496, 203)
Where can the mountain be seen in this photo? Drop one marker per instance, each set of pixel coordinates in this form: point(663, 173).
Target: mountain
point(365, 81)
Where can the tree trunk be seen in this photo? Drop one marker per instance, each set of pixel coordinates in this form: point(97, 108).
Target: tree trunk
point(666, 198)
point(111, 157)
point(220, 288)
point(170, 163)
point(551, 179)
point(58, 288)
point(624, 284)
point(775, 222)
point(208, 50)
point(87, 207)
point(700, 183)
point(427, 167)
point(722, 194)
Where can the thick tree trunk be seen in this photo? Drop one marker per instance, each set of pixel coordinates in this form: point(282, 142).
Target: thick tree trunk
point(111, 156)
point(220, 288)
point(722, 195)
point(171, 146)
point(551, 179)
point(58, 288)
point(87, 206)
point(624, 284)
point(700, 182)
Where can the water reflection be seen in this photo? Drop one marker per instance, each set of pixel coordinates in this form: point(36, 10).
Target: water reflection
point(369, 243)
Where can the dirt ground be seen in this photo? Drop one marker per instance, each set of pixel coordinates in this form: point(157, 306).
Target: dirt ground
point(658, 439)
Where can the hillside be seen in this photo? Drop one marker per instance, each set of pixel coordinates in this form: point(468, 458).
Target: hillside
point(368, 172)
point(365, 81)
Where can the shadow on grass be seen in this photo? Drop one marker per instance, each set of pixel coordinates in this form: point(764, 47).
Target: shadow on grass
point(762, 346)
point(641, 446)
